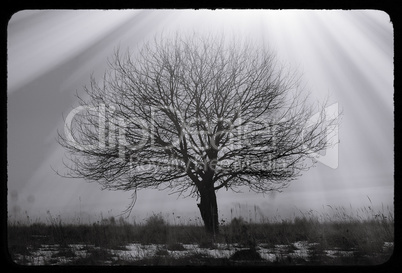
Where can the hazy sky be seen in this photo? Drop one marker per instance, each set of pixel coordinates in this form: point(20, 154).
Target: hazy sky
point(347, 55)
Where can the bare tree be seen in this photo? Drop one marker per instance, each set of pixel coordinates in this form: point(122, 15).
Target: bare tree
point(194, 114)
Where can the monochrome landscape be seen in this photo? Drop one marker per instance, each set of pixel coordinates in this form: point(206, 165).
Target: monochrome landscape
point(200, 137)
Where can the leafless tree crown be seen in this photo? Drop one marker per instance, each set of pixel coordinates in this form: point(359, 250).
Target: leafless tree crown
point(186, 111)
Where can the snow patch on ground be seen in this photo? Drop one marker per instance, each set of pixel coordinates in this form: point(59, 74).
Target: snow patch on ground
point(53, 254)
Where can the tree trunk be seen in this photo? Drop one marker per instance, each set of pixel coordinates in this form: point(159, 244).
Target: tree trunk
point(209, 210)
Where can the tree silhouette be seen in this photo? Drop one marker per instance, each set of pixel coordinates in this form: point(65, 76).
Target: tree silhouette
point(194, 114)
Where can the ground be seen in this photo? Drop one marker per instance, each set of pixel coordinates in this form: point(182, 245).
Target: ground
point(302, 241)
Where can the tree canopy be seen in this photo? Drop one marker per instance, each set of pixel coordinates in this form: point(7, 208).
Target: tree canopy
point(195, 114)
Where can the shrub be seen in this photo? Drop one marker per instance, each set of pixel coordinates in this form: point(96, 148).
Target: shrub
point(155, 230)
point(238, 231)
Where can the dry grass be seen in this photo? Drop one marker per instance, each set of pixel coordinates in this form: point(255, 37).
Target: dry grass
point(364, 236)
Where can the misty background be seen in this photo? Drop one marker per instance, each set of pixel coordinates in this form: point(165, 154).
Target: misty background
point(347, 55)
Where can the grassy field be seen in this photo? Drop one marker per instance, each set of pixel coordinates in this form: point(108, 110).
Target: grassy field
point(307, 239)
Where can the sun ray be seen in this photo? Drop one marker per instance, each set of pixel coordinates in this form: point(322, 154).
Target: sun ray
point(348, 54)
